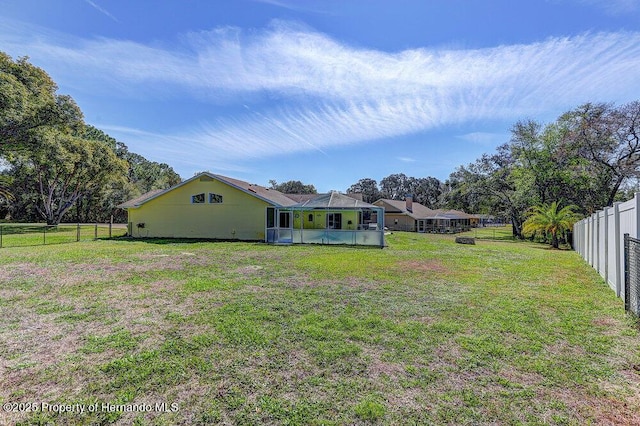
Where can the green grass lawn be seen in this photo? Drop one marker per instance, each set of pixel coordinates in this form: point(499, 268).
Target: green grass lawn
point(425, 331)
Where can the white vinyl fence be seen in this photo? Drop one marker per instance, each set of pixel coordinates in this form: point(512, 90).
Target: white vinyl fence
point(599, 238)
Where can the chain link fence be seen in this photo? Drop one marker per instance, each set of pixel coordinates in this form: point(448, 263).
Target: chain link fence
point(21, 235)
point(631, 274)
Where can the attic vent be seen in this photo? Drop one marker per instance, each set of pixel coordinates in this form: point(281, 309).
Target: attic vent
point(206, 179)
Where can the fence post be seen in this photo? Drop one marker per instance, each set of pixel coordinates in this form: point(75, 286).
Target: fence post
point(626, 271)
point(95, 232)
point(606, 244)
point(591, 241)
point(597, 243)
point(586, 239)
point(44, 235)
point(594, 239)
point(78, 233)
point(1, 231)
point(636, 213)
point(110, 225)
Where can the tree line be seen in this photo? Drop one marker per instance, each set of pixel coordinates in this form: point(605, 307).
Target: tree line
point(54, 165)
point(587, 158)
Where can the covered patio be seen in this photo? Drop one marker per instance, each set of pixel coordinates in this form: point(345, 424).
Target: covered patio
point(445, 221)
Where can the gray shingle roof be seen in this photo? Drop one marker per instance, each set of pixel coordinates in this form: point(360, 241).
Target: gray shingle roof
point(135, 202)
point(400, 206)
point(270, 195)
point(419, 211)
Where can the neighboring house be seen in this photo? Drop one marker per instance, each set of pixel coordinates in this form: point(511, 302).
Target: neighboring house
point(332, 218)
point(205, 206)
point(409, 215)
point(405, 215)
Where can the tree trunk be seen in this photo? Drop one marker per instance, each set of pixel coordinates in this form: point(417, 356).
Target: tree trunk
point(554, 240)
point(614, 190)
point(516, 227)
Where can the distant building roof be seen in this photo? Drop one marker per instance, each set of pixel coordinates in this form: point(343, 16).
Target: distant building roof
point(418, 211)
point(271, 196)
point(450, 214)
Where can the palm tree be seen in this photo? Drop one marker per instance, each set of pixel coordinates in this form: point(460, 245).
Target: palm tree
point(549, 219)
point(4, 189)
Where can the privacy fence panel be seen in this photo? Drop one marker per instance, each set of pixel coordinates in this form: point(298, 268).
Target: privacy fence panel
point(599, 239)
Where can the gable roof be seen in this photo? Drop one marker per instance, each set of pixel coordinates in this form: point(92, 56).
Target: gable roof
point(135, 202)
point(270, 196)
point(334, 200)
point(400, 206)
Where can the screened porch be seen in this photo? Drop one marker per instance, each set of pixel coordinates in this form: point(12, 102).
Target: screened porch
point(329, 219)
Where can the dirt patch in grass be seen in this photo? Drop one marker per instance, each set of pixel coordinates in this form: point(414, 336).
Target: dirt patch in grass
point(22, 271)
point(36, 356)
point(524, 378)
point(429, 265)
point(301, 281)
point(255, 289)
point(249, 270)
point(601, 410)
point(149, 307)
point(607, 322)
point(70, 274)
point(172, 261)
point(377, 367)
point(562, 347)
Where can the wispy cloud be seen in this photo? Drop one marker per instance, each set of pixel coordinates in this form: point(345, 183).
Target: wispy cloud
point(101, 10)
point(613, 7)
point(293, 5)
point(484, 138)
point(325, 93)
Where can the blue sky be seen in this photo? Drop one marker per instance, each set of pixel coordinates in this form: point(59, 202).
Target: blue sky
point(326, 92)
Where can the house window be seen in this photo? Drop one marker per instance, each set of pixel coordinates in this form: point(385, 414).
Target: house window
point(215, 198)
point(310, 217)
point(197, 199)
point(334, 221)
